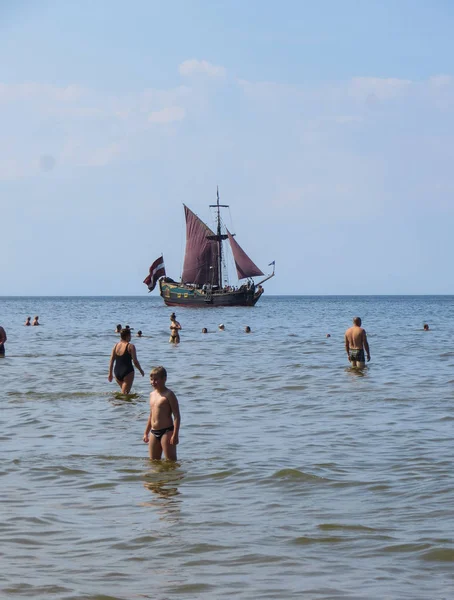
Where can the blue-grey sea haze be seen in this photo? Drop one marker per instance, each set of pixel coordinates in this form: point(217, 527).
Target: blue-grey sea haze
point(297, 476)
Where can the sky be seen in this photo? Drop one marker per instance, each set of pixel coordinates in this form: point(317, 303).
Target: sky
point(328, 127)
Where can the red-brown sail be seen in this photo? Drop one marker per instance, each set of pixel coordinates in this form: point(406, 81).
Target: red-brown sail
point(201, 258)
point(244, 265)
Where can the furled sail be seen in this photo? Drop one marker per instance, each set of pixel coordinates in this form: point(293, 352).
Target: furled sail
point(244, 265)
point(201, 257)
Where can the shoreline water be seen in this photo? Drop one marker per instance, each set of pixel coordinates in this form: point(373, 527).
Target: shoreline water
point(295, 475)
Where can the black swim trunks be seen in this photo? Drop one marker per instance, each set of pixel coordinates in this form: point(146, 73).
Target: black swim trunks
point(158, 433)
point(2, 349)
point(357, 355)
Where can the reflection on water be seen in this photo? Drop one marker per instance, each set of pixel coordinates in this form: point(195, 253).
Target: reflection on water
point(164, 479)
point(119, 399)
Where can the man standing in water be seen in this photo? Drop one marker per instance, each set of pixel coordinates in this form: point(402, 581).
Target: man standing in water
point(3, 339)
point(355, 344)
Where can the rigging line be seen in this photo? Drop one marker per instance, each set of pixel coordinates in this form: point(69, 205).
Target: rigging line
point(231, 221)
point(182, 237)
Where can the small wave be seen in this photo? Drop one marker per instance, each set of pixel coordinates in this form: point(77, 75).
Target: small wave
point(344, 527)
point(405, 548)
point(33, 590)
point(100, 486)
point(186, 588)
point(306, 540)
point(296, 475)
point(53, 395)
point(293, 387)
point(217, 475)
point(439, 555)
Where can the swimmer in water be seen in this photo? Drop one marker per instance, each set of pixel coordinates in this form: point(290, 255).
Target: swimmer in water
point(175, 327)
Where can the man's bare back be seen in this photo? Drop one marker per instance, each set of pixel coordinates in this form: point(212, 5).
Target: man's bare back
point(356, 343)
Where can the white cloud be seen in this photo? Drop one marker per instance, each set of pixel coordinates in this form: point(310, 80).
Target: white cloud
point(441, 80)
point(48, 92)
point(381, 88)
point(200, 67)
point(167, 115)
point(79, 126)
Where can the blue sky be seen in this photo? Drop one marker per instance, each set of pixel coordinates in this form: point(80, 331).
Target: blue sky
point(328, 126)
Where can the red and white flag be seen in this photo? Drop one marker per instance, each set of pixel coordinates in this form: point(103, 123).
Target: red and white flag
point(157, 270)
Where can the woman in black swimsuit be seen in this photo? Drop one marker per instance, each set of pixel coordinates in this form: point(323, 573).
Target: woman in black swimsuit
point(124, 355)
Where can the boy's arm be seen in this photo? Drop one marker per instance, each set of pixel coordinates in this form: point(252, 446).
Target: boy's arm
point(146, 435)
point(134, 359)
point(175, 408)
point(112, 358)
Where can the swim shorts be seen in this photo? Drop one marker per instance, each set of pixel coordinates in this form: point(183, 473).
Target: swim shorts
point(357, 355)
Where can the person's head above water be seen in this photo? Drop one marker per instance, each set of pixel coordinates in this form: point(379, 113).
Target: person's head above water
point(158, 374)
point(222, 326)
point(118, 328)
point(173, 317)
point(204, 330)
point(125, 334)
point(426, 327)
point(247, 329)
point(357, 321)
point(139, 333)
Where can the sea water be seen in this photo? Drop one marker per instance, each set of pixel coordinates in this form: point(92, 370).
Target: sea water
point(297, 477)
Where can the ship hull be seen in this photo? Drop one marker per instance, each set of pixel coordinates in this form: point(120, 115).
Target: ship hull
point(177, 294)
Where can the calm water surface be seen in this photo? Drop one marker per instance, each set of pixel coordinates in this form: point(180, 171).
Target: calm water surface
point(297, 477)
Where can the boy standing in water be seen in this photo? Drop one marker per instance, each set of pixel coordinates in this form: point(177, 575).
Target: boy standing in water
point(164, 430)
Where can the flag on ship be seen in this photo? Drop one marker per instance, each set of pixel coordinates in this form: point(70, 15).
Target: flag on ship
point(157, 270)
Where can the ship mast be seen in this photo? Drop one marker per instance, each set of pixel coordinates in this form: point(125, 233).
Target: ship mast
point(219, 236)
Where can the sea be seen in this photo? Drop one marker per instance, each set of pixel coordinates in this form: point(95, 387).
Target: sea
point(297, 476)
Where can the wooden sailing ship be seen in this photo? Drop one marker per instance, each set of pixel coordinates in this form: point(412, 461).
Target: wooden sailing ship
point(202, 281)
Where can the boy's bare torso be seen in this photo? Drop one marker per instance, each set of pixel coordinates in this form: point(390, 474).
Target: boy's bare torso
point(161, 411)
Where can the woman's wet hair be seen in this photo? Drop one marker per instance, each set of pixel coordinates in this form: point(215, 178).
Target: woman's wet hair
point(125, 333)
